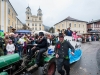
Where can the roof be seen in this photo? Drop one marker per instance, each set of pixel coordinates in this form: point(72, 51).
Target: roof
point(94, 21)
point(28, 7)
point(71, 19)
point(12, 7)
point(19, 20)
point(39, 8)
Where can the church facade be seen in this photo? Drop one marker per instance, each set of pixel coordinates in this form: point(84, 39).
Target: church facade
point(34, 22)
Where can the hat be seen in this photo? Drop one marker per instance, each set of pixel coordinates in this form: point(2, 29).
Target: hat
point(41, 34)
point(61, 35)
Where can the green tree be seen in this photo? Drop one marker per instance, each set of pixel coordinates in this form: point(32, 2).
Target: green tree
point(51, 30)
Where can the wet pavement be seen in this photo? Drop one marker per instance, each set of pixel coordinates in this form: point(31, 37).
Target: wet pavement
point(89, 64)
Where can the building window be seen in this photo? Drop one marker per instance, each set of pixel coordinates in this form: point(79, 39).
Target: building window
point(8, 11)
point(12, 15)
point(97, 25)
point(79, 25)
point(28, 24)
point(40, 28)
point(8, 21)
point(91, 26)
point(35, 28)
point(83, 25)
point(69, 24)
point(28, 17)
point(40, 24)
point(74, 25)
point(83, 31)
point(32, 24)
point(39, 18)
point(35, 24)
point(62, 25)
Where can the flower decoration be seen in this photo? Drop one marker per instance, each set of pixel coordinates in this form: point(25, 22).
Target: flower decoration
point(58, 46)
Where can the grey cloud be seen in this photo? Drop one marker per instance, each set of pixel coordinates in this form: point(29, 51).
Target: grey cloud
point(85, 10)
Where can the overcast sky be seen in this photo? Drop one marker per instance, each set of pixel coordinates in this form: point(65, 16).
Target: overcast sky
point(57, 10)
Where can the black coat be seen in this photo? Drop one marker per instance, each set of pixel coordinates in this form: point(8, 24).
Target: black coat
point(42, 43)
point(62, 49)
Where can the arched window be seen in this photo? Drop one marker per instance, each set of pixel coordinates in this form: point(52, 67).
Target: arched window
point(28, 17)
point(28, 24)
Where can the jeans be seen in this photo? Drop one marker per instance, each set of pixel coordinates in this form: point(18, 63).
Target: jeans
point(20, 49)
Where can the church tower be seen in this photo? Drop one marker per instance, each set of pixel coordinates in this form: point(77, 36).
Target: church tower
point(28, 13)
point(34, 22)
point(28, 16)
point(39, 14)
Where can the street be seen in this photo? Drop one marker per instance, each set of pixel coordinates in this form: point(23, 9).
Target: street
point(89, 64)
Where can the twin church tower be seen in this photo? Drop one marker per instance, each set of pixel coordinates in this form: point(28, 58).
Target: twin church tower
point(34, 22)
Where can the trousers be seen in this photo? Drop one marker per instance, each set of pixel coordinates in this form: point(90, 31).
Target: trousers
point(39, 55)
point(66, 64)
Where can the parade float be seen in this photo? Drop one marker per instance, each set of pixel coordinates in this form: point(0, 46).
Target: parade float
point(77, 46)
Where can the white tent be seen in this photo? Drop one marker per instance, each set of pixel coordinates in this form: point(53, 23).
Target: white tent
point(37, 32)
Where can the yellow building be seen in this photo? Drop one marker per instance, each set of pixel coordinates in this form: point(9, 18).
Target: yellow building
point(35, 23)
point(74, 24)
point(7, 16)
point(19, 24)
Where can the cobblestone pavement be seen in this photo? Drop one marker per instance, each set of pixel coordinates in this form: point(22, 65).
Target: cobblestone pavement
point(89, 64)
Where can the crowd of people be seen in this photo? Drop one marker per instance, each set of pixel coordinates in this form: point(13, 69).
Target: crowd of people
point(17, 43)
point(81, 37)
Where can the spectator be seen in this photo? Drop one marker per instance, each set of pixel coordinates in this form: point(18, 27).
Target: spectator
point(68, 32)
point(19, 48)
point(10, 47)
point(89, 38)
point(6, 41)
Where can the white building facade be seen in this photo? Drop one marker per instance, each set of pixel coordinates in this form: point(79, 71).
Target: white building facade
point(35, 23)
